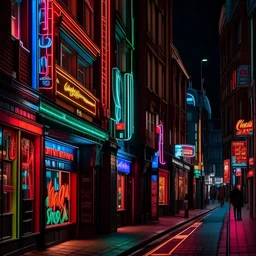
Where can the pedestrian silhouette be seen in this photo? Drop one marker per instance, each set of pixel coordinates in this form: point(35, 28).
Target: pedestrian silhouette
point(221, 196)
point(236, 199)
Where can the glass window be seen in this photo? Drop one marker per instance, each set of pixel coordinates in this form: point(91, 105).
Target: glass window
point(15, 19)
point(120, 192)
point(8, 181)
point(81, 72)
point(27, 185)
point(57, 202)
point(163, 187)
point(65, 59)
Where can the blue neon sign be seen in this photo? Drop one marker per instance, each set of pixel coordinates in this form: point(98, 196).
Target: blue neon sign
point(123, 166)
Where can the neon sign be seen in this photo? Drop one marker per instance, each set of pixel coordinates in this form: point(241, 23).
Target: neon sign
point(57, 212)
point(71, 90)
point(123, 166)
point(123, 95)
point(184, 150)
point(160, 131)
point(243, 128)
point(59, 154)
point(59, 151)
point(45, 43)
point(191, 99)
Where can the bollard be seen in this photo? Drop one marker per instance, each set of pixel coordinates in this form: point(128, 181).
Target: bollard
point(186, 206)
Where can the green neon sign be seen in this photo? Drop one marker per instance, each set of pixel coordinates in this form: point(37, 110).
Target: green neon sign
point(123, 95)
point(72, 122)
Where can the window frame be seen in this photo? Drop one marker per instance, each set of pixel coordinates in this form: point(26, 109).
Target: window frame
point(71, 54)
point(17, 36)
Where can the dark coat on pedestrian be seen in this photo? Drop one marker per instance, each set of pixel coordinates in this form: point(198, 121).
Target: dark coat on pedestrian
point(236, 198)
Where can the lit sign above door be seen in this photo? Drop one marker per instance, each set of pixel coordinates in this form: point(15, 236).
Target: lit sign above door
point(123, 166)
point(69, 89)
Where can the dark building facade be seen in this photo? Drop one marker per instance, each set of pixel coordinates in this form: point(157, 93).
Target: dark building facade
point(198, 135)
point(162, 80)
point(235, 69)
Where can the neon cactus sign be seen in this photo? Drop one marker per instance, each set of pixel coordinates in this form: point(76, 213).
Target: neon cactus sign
point(123, 94)
point(45, 43)
point(160, 131)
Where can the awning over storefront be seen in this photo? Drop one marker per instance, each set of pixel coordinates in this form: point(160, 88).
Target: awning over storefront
point(59, 119)
point(181, 164)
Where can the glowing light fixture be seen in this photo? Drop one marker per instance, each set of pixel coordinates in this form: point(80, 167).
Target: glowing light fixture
point(123, 95)
point(161, 144)
point(191, 99)
point(72, 122)
point(204, 60)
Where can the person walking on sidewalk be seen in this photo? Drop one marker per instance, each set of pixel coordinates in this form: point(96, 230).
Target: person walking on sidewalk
point(236, 199)
point(213, 194)
point(221, 196)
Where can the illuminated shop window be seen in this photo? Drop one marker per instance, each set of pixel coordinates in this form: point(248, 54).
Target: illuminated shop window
point(27, 185)
point(15, 17)
point(120, 192)
point(57, 202)
point(163, 187)
point(8, 182)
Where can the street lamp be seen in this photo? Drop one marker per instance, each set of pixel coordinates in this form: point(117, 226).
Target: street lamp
point(201, 75)
point(200, 158)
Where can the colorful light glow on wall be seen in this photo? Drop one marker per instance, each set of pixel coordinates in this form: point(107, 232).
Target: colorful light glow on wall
point(105, 53)
point(123, 95)
point(45, 43)
point(69, 89)
point(72, 122)
point(160, 130)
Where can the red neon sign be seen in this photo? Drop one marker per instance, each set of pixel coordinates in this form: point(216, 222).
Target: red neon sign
point(59, 154)
point(120, 127)
point(45, 42)
point(243, 128)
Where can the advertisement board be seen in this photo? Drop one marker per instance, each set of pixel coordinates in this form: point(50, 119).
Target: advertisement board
point(239, 153)
point(226, 171)
point(184, 150)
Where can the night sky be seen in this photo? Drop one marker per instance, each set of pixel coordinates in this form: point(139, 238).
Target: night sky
point(196, 37)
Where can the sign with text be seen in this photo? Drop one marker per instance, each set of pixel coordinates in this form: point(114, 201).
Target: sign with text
point(123, 166)
point(226, 170)
point(243, 128)
point(45, 37)
point(239, 153)
point(243, 75)
point(72, 91)
point(184, 151)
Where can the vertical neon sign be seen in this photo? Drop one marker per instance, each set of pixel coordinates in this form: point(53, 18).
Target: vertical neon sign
point(123, 95)
point(45, 44)
point(160, 130)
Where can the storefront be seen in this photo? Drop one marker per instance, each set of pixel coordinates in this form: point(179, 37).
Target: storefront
point(124, 171)
point(60, 185)
point(181, 182)
point(20, 168)
point(76, 194)
point(163, 192)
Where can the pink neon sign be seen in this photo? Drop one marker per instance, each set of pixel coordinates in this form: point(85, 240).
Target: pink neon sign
point(160, 130)
point(45, 35)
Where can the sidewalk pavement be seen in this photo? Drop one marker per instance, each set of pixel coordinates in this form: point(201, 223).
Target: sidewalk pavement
point(242, 234)
point(125, 241)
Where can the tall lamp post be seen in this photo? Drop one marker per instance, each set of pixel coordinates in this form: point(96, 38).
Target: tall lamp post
point(200, 133)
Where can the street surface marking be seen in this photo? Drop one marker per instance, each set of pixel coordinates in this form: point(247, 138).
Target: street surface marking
point(170, 252)
point(181, 236)
point(178, 236)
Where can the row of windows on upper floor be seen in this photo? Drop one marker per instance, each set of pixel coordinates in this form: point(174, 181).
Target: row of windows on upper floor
point(20, 18)
point(230, 45)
